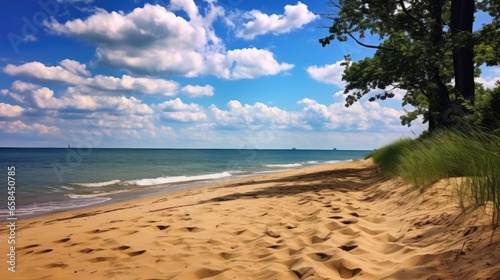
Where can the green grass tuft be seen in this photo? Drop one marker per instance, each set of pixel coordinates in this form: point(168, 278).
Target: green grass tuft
point(388, 157)
point(471, 153)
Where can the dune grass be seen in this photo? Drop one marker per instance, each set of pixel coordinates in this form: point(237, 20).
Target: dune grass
point(388, 157)
point(469, 153)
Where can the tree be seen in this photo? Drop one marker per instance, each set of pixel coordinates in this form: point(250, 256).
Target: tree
point(424, 45)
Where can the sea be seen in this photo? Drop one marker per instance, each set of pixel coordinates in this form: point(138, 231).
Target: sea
point(50, 180)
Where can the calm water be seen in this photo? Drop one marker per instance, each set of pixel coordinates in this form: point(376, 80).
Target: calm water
point(49, 180)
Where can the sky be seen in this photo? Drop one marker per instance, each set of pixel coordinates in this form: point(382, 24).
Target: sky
point(184, 74)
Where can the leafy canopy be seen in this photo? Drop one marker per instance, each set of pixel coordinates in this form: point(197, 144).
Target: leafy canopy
point(415, 53)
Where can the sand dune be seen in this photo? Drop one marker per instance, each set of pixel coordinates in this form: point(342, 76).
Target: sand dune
point(328, 222)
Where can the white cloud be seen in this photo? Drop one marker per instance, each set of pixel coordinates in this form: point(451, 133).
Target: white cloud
point(252, 63)
point(258, 115)
point(39, 71)
point(19, 127)
point(367, 116)
point(72, 100)
point(329, 74)
point(178, 111)
point(75, 67)
point(295, 16)
point(154, 40)
point(23, 86)
point(10, 111)
point(198, 91)
point(71, 71)
point(488, 82)
point(131, 84)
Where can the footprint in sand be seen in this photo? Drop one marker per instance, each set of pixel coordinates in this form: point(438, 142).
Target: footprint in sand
point(54, 265)
point(192, 229)
point(348, 248)
point(43, 251)
point(336, 217)
point(136, 253)
point(86, 250)
point(162, 227)
point(102, 259)
point(344, 271)
point(320, 257)
point(316, 239)
point(29, 247)
point(101, 230)
point(63, 240)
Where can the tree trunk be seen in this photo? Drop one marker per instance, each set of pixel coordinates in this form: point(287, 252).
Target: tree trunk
point(461, 21)
point(440, 104)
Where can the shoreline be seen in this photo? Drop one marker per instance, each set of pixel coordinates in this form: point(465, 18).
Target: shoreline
point(168, 188)
point(335, 221)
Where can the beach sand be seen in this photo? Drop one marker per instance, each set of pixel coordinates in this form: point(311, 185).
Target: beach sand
point(327, 222)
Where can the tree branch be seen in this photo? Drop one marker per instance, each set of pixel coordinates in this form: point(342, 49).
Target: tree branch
point(369, 46)
point(422, 26)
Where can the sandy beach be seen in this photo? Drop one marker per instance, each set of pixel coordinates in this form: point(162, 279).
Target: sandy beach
point(327, 222)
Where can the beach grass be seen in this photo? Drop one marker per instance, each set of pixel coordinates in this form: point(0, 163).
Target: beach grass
point(471, 153)
point(388, 157)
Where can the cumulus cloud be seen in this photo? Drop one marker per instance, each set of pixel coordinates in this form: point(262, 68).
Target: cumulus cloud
point(39, 71)
point(295, 16)
point(75, 67)
point(250, 63)
point(329, 74)
point(198, 91)
point(132, 84)
point(258, 115)
point(44, 98)
point(178, 111)
point(154, 40)
point(367, 116)
point(490, 82)
point(70, 72)
point(19, 127)
point(10, 111)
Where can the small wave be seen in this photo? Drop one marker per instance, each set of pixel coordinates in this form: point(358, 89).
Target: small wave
point(47, 207)
point(312, 162)
point(338, 161)
point(67, 188)
point(53, 190)
point(284, 165)
point(177, 179)
point(97, 184)
point(95, 194)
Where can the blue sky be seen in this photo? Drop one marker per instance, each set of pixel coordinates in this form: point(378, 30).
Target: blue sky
point(183, 74)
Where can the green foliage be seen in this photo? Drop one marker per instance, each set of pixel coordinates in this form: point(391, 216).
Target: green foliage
point(415, 53)
point(388, 157)
point(469, 153)
point(487, 108)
